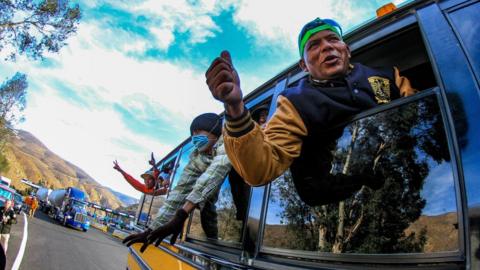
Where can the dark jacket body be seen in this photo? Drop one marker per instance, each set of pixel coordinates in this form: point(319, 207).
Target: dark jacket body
point(324, 105)
point(5, 226)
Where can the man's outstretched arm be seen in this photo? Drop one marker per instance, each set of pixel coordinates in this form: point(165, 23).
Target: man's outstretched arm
point(258, 156)
point(132, 181)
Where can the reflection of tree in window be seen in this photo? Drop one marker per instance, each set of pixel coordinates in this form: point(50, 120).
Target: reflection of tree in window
point(229, 228)
point(403, 146)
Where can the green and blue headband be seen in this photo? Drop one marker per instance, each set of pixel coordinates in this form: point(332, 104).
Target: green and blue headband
point(316, 26)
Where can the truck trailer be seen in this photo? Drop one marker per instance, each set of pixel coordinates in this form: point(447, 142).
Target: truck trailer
point(42, 196)
point(68, 206)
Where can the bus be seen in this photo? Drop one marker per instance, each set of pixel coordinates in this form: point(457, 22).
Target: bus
point(426, 215)
point(5, 181)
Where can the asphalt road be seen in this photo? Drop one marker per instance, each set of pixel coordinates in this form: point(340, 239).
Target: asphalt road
point(52, 246)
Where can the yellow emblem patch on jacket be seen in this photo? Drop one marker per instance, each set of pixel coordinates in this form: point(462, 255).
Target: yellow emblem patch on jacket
point(381, 88)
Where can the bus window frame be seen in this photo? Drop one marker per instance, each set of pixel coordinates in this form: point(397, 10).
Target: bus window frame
point(403, 24)
point(361, 40)
point(447, 256)
point(256, 100)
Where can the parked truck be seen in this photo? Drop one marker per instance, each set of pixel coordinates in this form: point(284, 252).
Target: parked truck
point(69, 207)
point(42, 196)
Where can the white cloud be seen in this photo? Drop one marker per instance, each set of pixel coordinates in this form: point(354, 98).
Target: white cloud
point(96, 67)
point(89, 137)
point(181, 16)
point(281, 21)
point(164, 37)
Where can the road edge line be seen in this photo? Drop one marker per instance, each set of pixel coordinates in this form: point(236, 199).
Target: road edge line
point(21, 251)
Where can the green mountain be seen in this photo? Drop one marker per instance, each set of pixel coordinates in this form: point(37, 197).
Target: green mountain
point(31, 159)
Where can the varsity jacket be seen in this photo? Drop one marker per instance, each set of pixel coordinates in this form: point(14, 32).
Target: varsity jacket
point(298, 135)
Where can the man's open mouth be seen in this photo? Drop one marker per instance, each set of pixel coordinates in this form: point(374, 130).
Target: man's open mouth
point(330, 59)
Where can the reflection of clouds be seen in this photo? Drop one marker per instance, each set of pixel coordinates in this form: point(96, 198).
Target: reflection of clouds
point(439, 191)
point(345, 140)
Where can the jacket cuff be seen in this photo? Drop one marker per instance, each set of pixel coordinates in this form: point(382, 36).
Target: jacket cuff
point(239, 126)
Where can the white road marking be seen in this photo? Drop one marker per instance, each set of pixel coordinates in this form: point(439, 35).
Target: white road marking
point(21, 251)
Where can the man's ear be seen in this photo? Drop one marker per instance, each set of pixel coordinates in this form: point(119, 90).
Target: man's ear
point(349, 53)
point(302, 65)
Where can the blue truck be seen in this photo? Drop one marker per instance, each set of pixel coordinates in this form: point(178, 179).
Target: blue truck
point(69, 207)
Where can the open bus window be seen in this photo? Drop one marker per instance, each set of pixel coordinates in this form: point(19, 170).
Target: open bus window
point(182, 162)
point(229, 207)
point(414, 210)
point(144, 216)
point(404, 50)
point(223, 216)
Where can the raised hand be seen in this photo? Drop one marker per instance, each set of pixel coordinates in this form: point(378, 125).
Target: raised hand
point(152, 160)
point(116, 166)
point(224, 84)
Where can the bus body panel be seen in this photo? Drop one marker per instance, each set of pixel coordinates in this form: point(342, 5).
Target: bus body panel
point(453, 56)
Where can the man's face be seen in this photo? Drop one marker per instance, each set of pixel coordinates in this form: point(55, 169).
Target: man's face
point(149, 182)
point(262, 117)
point(8, 203)
point(326, 56)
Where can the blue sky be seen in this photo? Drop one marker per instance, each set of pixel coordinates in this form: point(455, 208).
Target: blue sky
point(132, 78)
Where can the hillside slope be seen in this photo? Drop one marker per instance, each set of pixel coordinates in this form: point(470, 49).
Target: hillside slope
point(31, 159)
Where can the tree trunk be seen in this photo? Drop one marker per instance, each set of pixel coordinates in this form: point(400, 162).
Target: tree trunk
point(338, 245)
point(322, 231)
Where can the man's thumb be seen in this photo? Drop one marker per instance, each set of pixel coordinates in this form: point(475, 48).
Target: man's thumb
point(226, 55)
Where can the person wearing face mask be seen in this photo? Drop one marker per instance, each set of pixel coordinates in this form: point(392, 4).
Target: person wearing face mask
point(154, 183)
point(198, 186)
point(298, 135)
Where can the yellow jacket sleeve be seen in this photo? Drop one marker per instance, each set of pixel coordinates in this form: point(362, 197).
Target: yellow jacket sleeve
point(260, 156)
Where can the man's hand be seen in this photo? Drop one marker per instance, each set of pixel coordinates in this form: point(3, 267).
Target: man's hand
point(173, 227)
point(137, 238)
point(152, 160)
point(116, 166)
point(224, 84)
point(160, 191)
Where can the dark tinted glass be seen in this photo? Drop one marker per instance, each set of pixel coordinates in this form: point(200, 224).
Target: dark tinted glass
point(406, 200)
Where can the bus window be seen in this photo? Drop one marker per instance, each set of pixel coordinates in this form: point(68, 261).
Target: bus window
point(182, 162)
point(404, 50)
point(413, 209)
point(144, 217)
point(228, 208)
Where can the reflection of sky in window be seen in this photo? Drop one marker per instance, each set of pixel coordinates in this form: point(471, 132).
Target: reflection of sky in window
point(256, 202)
point(465, 21)
point(439, 191)
point(186, 150)
point(346, 138)
point(274, 208)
